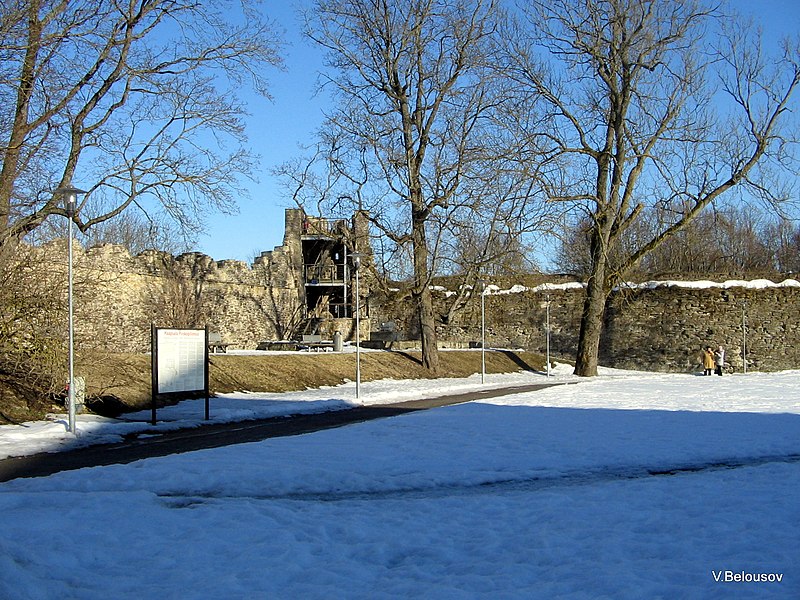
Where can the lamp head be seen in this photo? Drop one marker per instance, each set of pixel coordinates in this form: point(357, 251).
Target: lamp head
point(70, 195)
point(356, 258)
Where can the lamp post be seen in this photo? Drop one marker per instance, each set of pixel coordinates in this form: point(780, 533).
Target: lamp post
point(356, 257)
point(70, 196)
point(547, 313)
point(546, 306)
point(482, 283)
point(744, 337)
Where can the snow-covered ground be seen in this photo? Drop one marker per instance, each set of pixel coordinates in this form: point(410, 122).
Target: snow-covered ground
point(628, 485)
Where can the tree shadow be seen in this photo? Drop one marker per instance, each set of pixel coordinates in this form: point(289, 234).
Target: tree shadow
point(518, 360)
point(417, 360)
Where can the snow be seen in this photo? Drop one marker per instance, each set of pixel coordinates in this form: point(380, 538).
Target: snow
point(628, 485)
point(756, 284)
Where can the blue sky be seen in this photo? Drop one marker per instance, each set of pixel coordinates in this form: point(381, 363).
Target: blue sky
point(277, 128)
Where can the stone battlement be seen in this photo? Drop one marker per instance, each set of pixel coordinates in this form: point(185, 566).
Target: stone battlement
point(654, 325)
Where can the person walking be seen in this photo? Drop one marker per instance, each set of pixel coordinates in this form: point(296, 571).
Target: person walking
point(719, 360)
point(708, 360)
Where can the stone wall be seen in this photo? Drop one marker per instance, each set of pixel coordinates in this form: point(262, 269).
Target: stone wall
point(657, 326)
point(664, 327)
point(118, 296)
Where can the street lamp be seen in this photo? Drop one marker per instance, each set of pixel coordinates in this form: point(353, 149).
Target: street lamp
point(548, 333)
point(744, 337)
point(546, 306)
point(356, 257)
point(482, 283)
point(70, 196)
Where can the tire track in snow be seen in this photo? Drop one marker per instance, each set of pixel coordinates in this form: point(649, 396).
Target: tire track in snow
point(513, 485)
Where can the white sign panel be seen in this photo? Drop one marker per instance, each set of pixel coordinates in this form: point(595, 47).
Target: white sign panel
point(181, 360)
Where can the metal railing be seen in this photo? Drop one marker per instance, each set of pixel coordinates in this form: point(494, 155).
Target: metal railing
point(324, 227)
point(330, 273)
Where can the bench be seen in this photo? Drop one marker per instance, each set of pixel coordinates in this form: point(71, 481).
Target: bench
point(215, 343)
point(384, 337)
point(314, 343)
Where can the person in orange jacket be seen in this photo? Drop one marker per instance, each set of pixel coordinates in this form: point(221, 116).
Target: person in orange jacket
point(708, 360)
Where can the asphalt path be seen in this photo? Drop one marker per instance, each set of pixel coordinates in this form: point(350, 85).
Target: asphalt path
point(152, 443)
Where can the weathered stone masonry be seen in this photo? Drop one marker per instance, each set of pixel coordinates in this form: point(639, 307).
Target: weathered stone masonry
point(301, 285)
point(660, 327)
point(665, 327)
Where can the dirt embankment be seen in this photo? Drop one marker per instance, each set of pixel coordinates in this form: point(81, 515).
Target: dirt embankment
point(126, 377)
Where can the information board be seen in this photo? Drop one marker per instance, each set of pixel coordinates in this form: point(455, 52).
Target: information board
point(181, 360)
point(179, 365)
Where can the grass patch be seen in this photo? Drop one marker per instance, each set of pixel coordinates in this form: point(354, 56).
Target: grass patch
point(118, 382)
point(127, 376)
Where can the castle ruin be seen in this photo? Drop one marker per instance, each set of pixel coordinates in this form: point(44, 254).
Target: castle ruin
point(306, 287)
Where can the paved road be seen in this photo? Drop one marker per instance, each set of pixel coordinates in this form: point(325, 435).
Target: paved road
point(145, 444)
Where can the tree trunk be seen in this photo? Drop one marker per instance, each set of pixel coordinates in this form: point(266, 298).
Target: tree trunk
point(422, 293)
point(19, 127)
point(594, 307)
point(430, 350)
point(591, 328)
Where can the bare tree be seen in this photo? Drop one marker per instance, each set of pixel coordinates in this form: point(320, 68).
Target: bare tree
point(280, 305)
point(412, 128)
point(729, 242)
point(137, 233)
point(495, 238)
point(647, 104)
point(784, 239)
point(184, 299)
point(31, 331)
point(131, 100)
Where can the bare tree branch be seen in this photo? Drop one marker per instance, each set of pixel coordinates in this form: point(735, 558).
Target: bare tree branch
point(626, 102)
point(132, 100)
